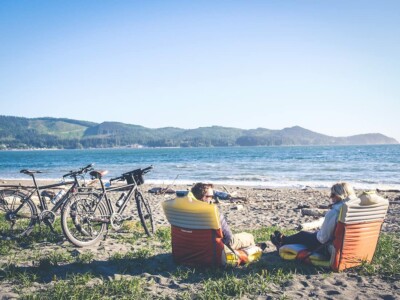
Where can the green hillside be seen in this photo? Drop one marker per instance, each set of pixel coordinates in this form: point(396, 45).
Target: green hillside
point(60, 128)
point(62, 133)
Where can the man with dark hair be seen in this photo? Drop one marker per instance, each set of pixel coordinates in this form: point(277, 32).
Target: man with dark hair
point(205, 192)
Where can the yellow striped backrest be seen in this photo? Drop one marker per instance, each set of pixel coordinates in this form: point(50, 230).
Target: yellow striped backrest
point(188, 212)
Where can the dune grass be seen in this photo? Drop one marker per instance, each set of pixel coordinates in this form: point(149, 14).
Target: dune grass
point(252, 280)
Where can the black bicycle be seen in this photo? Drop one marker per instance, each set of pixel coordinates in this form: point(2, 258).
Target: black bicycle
point(21, 212)
point(86, 216)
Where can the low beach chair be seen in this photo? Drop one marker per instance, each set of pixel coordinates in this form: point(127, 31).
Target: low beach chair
point(197, 236)
point(356, 235)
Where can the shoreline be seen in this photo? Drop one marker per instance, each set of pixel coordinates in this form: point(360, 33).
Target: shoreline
point(296, 185)
point(139, 146)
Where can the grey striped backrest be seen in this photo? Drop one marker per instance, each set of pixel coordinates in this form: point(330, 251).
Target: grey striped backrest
point(368, 207)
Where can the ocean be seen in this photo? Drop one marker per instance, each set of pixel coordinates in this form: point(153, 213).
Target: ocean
point(367, 167)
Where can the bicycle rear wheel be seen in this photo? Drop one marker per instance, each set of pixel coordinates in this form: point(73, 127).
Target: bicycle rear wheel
point(83, 221)
point(18, 215)
point(145, 215)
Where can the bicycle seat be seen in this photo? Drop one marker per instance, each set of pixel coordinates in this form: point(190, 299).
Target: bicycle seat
point(30, 172)
point(98, 174)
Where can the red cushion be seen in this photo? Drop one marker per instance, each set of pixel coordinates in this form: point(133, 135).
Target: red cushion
point(197, 247)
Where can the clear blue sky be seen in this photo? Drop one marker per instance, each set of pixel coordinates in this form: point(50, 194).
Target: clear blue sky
point(329, 66)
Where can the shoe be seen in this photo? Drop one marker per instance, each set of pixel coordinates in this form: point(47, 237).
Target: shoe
point(275, 241)
point(279, 236)
point(262, 245)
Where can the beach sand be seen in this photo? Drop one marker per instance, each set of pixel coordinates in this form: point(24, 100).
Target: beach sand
point(253, 208)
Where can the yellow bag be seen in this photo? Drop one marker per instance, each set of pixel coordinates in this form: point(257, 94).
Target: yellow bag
point(241, 256)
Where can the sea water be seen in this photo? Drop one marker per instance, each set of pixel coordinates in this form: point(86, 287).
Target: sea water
point(287, 166)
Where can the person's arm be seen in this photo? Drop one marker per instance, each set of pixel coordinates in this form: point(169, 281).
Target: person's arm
point(227, 234)
point(328, 227)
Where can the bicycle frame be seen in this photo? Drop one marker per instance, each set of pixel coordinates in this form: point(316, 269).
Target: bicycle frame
point(31, 190)
point(132, 189)
point(43, 203)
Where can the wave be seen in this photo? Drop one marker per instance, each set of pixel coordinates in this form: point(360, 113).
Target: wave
point(281, 184)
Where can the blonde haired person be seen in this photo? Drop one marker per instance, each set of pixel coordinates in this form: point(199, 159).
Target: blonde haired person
point(340, 193)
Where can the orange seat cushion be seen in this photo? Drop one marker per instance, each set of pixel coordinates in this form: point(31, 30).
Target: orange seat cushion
point(355, 243)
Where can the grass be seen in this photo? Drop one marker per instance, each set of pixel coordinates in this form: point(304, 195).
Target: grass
point(229, 285)
point(263, 234)
point(23, 263)
point(54, 258)
point(79, 289)
point(139, 254)
point(163, 235)
point(85, 257)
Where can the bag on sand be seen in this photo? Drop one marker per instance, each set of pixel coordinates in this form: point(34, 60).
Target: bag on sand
point(242, 256)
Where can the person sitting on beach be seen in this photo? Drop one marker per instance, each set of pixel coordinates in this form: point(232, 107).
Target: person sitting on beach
point(314, 241)
point(205, 192)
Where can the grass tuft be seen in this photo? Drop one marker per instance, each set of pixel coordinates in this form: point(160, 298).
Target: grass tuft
point(78, 289)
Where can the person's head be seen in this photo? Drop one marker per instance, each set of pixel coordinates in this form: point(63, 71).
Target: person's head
point(341, 191)
point(203, 191)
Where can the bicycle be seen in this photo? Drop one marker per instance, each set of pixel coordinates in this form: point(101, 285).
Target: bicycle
point(20, 211)
point(86, 216)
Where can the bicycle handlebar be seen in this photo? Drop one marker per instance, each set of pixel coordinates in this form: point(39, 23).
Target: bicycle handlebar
point(86, 169)
point(146, 170)
point(120, 178)
point(137, 171)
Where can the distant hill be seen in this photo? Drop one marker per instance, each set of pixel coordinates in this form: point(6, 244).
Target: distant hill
point(62, 133)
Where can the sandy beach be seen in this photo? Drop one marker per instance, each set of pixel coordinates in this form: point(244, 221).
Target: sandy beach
point(252, 208)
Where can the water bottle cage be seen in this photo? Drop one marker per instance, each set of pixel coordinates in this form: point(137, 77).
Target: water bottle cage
point(58, 196)
point(120, 200)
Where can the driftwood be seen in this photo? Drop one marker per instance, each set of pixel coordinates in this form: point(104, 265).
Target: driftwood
point(388, 191)
point(323, 206)
point(161, 191)
point(311, 225)
point(301, 206)
point(312, 212)
point(238, 199)
point(307, 187)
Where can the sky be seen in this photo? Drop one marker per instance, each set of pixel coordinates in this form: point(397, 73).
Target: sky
point(332, 67)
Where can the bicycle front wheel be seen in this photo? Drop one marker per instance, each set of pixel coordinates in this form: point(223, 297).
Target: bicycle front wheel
point(145, 215)
point(18, 215)
point(83, 221)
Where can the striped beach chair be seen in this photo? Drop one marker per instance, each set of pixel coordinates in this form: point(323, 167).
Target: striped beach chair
point(356, 235)
point(197, 236)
